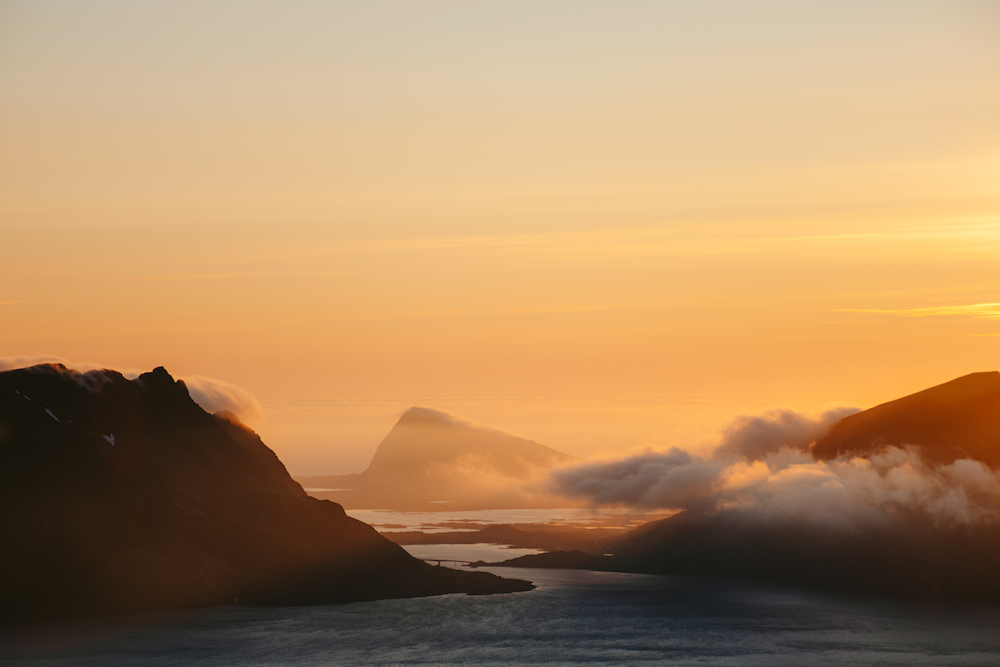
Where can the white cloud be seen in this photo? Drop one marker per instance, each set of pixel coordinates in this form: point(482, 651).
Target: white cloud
point(757, 436)
point(215, 395)
point(784, 483)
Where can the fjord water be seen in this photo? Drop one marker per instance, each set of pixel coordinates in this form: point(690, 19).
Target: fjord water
point(572, 618)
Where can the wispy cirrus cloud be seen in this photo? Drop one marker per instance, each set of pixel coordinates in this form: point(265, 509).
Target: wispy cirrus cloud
point(983, 311)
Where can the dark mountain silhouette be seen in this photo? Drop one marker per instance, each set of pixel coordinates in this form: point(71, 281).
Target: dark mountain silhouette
point(907, 557)
point(910, 558)
point(432, 461)
point(121, 495)
point(955, 420)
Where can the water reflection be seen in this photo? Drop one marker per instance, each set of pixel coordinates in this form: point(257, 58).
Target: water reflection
point(573, 618)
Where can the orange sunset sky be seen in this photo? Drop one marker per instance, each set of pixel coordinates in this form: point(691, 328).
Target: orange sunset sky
point(600, 225)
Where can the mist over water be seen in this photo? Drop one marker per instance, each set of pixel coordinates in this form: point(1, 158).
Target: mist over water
point(572, 618)
point(431, 522)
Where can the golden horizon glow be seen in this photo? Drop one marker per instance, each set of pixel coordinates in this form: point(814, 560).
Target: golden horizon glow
point(598, 227)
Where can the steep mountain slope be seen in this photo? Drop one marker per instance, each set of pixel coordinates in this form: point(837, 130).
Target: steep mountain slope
point(122, 495)
point(958, 419)
point(431, 460)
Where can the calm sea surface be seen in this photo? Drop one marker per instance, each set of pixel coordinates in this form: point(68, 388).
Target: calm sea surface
point(573, 618)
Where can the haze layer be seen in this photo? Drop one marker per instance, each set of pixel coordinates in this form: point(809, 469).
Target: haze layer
point(602, 226)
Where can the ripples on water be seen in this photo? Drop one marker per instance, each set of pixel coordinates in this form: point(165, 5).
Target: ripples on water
point(573, 618)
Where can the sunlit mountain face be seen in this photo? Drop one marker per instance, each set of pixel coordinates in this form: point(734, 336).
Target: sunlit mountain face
point(956, 420)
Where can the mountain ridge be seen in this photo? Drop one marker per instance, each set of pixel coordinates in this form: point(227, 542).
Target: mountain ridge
point(954, 420)
point(121, 495)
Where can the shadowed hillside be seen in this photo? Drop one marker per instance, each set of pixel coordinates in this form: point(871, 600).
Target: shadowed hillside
point(911, 558)
point(124, 495)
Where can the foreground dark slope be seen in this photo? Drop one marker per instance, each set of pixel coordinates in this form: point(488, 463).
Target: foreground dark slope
point(124, 495)
point(911, 559)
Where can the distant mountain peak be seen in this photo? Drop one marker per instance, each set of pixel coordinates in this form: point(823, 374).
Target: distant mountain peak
point(424, 436)
point(161, 380)
point(417, 416)
point(430, 456)
point(158, 374)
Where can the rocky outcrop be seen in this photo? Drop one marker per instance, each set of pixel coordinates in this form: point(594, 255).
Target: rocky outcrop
point(121, 495)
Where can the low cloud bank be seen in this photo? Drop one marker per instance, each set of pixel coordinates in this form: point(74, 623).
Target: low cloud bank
point(756, 437)
point(763, 471)
point(211, 394)
point(215, 395)
point(24, 361)
point(671, 480)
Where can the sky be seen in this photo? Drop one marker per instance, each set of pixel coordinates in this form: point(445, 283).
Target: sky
point(605, 226)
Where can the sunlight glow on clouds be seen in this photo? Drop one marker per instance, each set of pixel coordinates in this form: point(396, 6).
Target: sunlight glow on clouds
point(787, 484)
point(211, 394)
